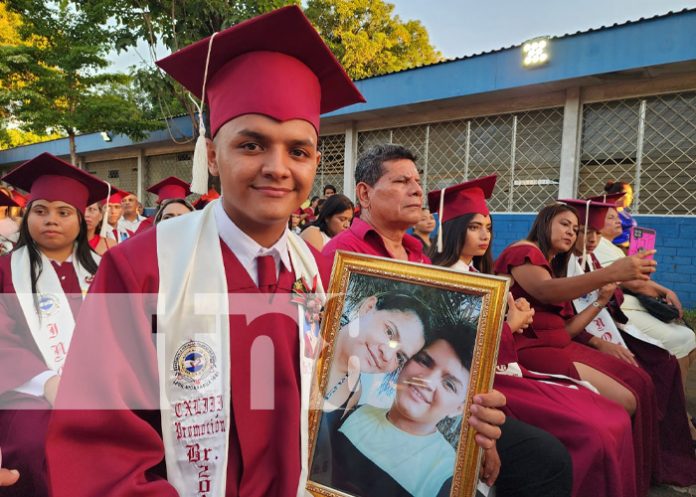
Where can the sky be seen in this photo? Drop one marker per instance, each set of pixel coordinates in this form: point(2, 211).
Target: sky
point(465, 27)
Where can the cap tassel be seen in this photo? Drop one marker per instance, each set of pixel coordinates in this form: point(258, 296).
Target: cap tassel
point(584, 235)
point(439, 220)
point(105, 220)
point(199, 176)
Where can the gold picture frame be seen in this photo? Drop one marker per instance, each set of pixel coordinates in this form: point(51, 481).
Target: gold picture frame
point(359, 432)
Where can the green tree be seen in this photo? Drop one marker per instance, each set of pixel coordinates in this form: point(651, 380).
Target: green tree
point(174, 25)
point(364, 35)
point(59, 82)
point(368, 38)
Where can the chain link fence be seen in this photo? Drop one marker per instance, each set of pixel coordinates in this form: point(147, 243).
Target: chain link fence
point(650, 143)
point(523, 149)
point(121, 173)
point(162, 166)
point(330, 170)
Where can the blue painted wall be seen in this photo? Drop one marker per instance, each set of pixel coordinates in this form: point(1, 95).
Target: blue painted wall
point(676, 248)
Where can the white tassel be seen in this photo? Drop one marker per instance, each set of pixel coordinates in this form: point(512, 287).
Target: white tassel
point(199, 179)
point(584, 234)
point(199, 174)
point(105, 220)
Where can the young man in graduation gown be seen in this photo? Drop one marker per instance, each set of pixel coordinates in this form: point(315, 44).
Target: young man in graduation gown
point(216, 402)
point(534, 463)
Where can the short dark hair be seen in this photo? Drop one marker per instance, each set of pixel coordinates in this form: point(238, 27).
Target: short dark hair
point(615, 186)
point(329, 187)
point(461, 336)
point(369, 168)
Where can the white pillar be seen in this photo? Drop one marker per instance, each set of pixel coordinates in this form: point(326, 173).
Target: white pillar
point(570, 145)
point(349, 161)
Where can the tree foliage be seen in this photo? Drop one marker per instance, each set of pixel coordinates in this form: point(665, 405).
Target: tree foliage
point(55, 79)
point(368, 38)
point(174, 25)
point(365, 36)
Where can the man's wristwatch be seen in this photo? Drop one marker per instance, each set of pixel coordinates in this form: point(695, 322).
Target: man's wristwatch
point(598, 305)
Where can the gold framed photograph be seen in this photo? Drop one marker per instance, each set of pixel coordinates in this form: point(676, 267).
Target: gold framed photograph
point(406, 348)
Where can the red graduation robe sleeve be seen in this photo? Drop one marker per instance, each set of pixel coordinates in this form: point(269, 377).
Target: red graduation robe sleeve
point(98, 444)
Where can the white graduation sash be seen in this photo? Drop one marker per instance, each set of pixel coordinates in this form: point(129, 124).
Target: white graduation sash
point(193, 343)
point(52, 327)
point(603, 326)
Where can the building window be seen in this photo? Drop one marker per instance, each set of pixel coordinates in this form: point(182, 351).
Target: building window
point(650, 143)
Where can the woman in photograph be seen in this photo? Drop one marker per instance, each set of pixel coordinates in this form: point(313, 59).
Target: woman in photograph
point(44, 280)
point(334, 217)
point(596, 431)
point(94, 218)
point(378, 335)
point(557, 343)
point(401, 451)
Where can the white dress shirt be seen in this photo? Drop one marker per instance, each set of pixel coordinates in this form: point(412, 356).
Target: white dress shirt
point(246, 249)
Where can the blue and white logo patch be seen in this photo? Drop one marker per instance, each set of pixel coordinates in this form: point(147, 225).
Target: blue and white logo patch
point(48, 304)
point(194, 365)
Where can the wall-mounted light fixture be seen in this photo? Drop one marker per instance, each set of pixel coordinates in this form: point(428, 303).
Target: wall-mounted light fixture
point(535, 52)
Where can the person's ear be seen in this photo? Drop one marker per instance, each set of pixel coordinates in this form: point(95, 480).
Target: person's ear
point(213, 167)
point(367, 305)
point(362, 194)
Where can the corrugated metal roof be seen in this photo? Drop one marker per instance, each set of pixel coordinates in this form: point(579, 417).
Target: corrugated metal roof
point(576, 33)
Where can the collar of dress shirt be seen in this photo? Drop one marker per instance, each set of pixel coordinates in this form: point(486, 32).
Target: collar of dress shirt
point(245, 248)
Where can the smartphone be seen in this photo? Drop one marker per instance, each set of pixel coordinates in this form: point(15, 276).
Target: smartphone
point(641, 239)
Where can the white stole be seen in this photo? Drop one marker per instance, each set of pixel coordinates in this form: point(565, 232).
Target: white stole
point(193, 351)
point(52, 327)
point(603, 325)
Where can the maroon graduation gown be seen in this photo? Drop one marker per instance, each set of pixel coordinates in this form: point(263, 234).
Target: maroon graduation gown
point(595, 430)
point(677, 459)
point(24, 418)
point(119, 452)
point(547, 347)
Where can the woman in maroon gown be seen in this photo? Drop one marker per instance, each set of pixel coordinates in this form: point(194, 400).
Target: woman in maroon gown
point(51, 255)
point(677, 460)
point(595, 430)
point(556, 343)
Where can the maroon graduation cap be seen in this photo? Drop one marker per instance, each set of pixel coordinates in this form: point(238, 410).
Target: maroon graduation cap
point(458, 200)
point(171, 187)
point(465, 198)
point(594, 212)
point(610, 198)
point(275, 65)
point(46, 177)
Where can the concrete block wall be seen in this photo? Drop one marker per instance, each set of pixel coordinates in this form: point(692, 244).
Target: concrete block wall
point(676, 248)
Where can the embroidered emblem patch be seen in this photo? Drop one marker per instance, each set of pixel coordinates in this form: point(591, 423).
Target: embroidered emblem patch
point(48, 305)
point(194, 365)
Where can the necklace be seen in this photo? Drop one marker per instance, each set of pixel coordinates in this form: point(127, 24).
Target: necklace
point(335, 387)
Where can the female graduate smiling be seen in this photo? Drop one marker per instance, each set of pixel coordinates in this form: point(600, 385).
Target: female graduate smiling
point(44, 280)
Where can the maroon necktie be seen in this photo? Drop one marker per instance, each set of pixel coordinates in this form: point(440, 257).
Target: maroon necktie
point(266, 271)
